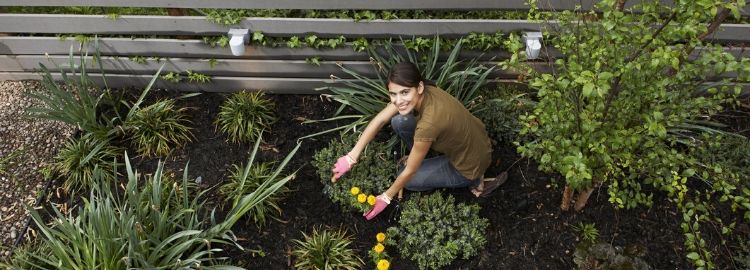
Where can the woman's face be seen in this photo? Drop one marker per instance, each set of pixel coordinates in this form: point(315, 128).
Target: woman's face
point(405, 98)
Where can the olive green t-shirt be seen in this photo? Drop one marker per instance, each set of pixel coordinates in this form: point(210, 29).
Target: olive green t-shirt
point(453, 131)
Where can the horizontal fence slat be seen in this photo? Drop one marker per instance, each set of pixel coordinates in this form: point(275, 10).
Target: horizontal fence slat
point(551, 5)
point(198, 25)
point(226, 84)
point(189, 48)
point(225, 67)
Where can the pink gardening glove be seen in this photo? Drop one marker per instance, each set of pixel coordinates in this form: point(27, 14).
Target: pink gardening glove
point(342, 166)
point(380, 204)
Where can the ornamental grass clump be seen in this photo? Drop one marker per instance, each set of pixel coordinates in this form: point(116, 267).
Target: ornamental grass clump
point(85, 162)
point(246, 179)
point(154, 130)
point(244, 114)
point(325, 249)
point(433, 230)
point(372, 174)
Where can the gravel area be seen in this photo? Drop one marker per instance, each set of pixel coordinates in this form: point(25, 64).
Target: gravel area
point(32, 144)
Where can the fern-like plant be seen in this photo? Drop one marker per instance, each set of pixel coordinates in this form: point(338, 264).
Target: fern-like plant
point(433, 230)
point(326, 250)
point(86, 161)
point(244, 114)
point(154, 130)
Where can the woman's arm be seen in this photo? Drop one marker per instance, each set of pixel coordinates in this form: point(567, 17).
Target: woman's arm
point(416, 156)
point(372, 129)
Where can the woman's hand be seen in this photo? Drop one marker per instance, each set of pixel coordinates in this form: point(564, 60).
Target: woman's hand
point(342, 166)
point(381, 203)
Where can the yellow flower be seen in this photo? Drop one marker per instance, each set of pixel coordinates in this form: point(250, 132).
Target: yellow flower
point(371, 200)
point(361, 198)
point(380, 237)
point(383, 265)
point(354, 191)
point(378, 248)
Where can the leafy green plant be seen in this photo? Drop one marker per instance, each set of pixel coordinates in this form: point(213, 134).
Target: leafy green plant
point(315, 61)
point(213, 41)
point(626, 78)
point(244, 115)
point(588, 231)
point(499, 109)
point(198, 77)
point(85, 162)
point(367, 96)
point(360, 44)
point(294, 42)
point(156, 128)
point(246, 179)
point(372, 174)
point(325, 250)
point(226, 16)
point(145, 227)
point(138, 59)
point(172, 77)
point(433, 230)
point(212, 62)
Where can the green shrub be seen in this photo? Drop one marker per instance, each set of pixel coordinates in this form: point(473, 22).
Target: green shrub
point(325, 250)
point(155, 129)
point(86, 161)
point(499, 110)
point(246, 179)
point(373, 173)
point(433, 230)
point(244, 114)
point(153, 224)
point(590, 255)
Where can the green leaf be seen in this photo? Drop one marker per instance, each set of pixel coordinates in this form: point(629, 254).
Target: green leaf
point(587, 89)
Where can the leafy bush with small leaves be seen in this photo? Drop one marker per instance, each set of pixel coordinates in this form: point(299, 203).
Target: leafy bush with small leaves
point(244, 115)
point(590, 255)
point(246, 179)
point(86, 161)
point(499, 110)
point(156, 129)
point(325, 250)
point(433, 230)
point(373, 173)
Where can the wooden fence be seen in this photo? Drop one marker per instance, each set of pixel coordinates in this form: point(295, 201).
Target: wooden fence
point(273, 69)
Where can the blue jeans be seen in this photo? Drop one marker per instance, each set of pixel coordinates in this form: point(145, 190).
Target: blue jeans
point(435, 172)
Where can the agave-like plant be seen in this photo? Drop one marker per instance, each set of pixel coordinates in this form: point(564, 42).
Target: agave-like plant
point(326, 250)
point(145, 229)
point(155, 129)
point(85, 161)
point(246, 179)
point(244, 115)
point(368, 96)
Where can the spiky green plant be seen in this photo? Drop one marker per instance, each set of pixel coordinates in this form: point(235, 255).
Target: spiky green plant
point(246, 179)
point(154, 130)
point(85, 161)
point(368, 96)
point(325, 250)
point(145, 229)
point(244, 114)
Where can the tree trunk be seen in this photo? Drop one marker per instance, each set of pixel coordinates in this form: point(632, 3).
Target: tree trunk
point(567, 195)
point(583, 197)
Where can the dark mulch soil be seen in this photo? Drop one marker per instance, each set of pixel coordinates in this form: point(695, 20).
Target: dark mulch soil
point(527, 229)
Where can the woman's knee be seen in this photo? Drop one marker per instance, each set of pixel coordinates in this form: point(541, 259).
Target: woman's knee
point(403, 122)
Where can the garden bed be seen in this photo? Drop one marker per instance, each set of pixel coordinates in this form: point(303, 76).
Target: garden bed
point(526, 227)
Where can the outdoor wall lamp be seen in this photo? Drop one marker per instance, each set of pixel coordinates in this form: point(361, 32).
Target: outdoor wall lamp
point(237, 40)
point(533, 44)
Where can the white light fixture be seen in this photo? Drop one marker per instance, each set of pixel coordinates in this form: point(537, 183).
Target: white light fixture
point(533, 42)
point(237, 40)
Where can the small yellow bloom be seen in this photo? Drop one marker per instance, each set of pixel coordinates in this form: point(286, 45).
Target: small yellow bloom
point(378, 248)
point(371, 200)
point(380, 237)
point(354, 191)
point(361, 198)
point(383, 265)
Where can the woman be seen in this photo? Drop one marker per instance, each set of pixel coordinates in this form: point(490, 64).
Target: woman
point(426, 117)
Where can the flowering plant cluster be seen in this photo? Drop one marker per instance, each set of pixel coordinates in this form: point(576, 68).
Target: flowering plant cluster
point(378, 254)
point(373, 172)
point(360, 200)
